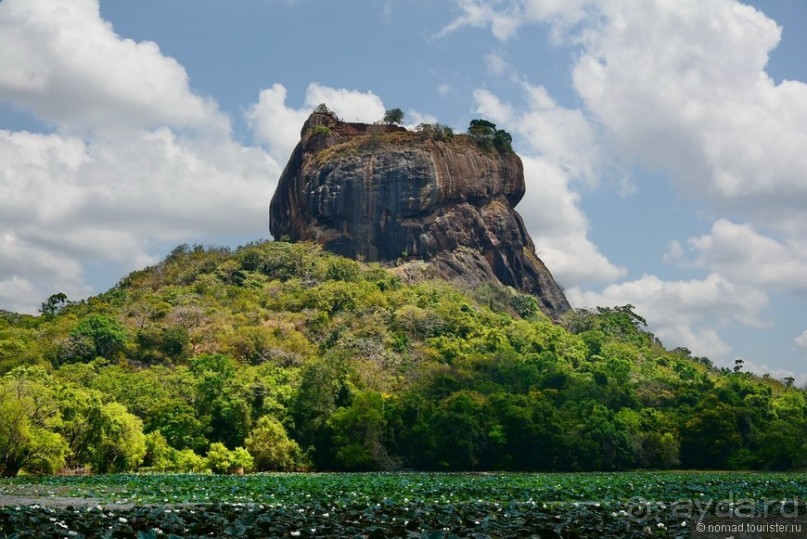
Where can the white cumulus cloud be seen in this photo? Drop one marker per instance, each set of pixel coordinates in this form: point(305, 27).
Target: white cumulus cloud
point(560, 151)
point(801, 341)
point(679, 87)
point(559, 228)
point(685, 313)
point(69, 202)
point(64, 63)
point(350, 105)
point(278, 125)
point(745, 255)
point(682, 87)
point(138, 162)
point(505, 21)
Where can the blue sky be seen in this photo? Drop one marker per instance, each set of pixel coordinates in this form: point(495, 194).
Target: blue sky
point(663, 142)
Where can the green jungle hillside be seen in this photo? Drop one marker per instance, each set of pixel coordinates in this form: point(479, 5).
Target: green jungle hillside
point(280, 356)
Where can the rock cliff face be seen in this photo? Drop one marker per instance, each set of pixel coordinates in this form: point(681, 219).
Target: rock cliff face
point(382, 193)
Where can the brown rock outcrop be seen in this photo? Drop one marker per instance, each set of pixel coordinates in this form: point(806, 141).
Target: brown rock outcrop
point(382, 193)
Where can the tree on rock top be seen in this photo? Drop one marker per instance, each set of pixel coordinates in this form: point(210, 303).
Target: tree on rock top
point(394, 116)
point(487, 136)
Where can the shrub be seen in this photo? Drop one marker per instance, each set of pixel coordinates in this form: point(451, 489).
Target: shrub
point(222, 460)
point(241, 458)
point(218, 458)
point(188, 461)
point(374, 133)
point(320, 130)
point(436, 131)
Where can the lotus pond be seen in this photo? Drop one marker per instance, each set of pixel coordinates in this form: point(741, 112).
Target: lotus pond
point(635, 504)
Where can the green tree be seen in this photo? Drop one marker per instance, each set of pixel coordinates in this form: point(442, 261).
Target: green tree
point(159, 455)
point(241, 459)
point(487, 136)
point(435, 131)
point(222, 460)
point(82, 422)
point(54, 304)
point(359, 433)
point(177, 421)
point(218, 458)
point(459, 429)
point(95, 335)
point(394, 116)
point(481, 129)
point(188, 461)
point(322, 108)
point(324, 387)
point(502, 141)
point(596, 440)
point(528, 432)
point(271, 446)
point(121, 445)
point(343, 269)
point(107, 334)
point(782, 445)
point(162, 344)
point(221, 402)
point(19, 347)
point(711, 435)
point(29, 416)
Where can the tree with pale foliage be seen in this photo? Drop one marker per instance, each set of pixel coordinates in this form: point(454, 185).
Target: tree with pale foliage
point(218, 457)
point(272, 447)
point(222, 460)
point(29, 417)
point(121, 445)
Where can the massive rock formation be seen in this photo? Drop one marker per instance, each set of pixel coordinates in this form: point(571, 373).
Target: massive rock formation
point(382, 193)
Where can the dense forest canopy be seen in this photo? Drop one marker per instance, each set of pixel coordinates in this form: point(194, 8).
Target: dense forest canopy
point(280, 356)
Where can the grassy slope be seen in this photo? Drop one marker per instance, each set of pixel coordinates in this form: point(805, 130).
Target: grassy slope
point(277, 309)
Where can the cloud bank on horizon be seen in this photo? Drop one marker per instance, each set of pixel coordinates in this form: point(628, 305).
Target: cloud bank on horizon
point(126, 158)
